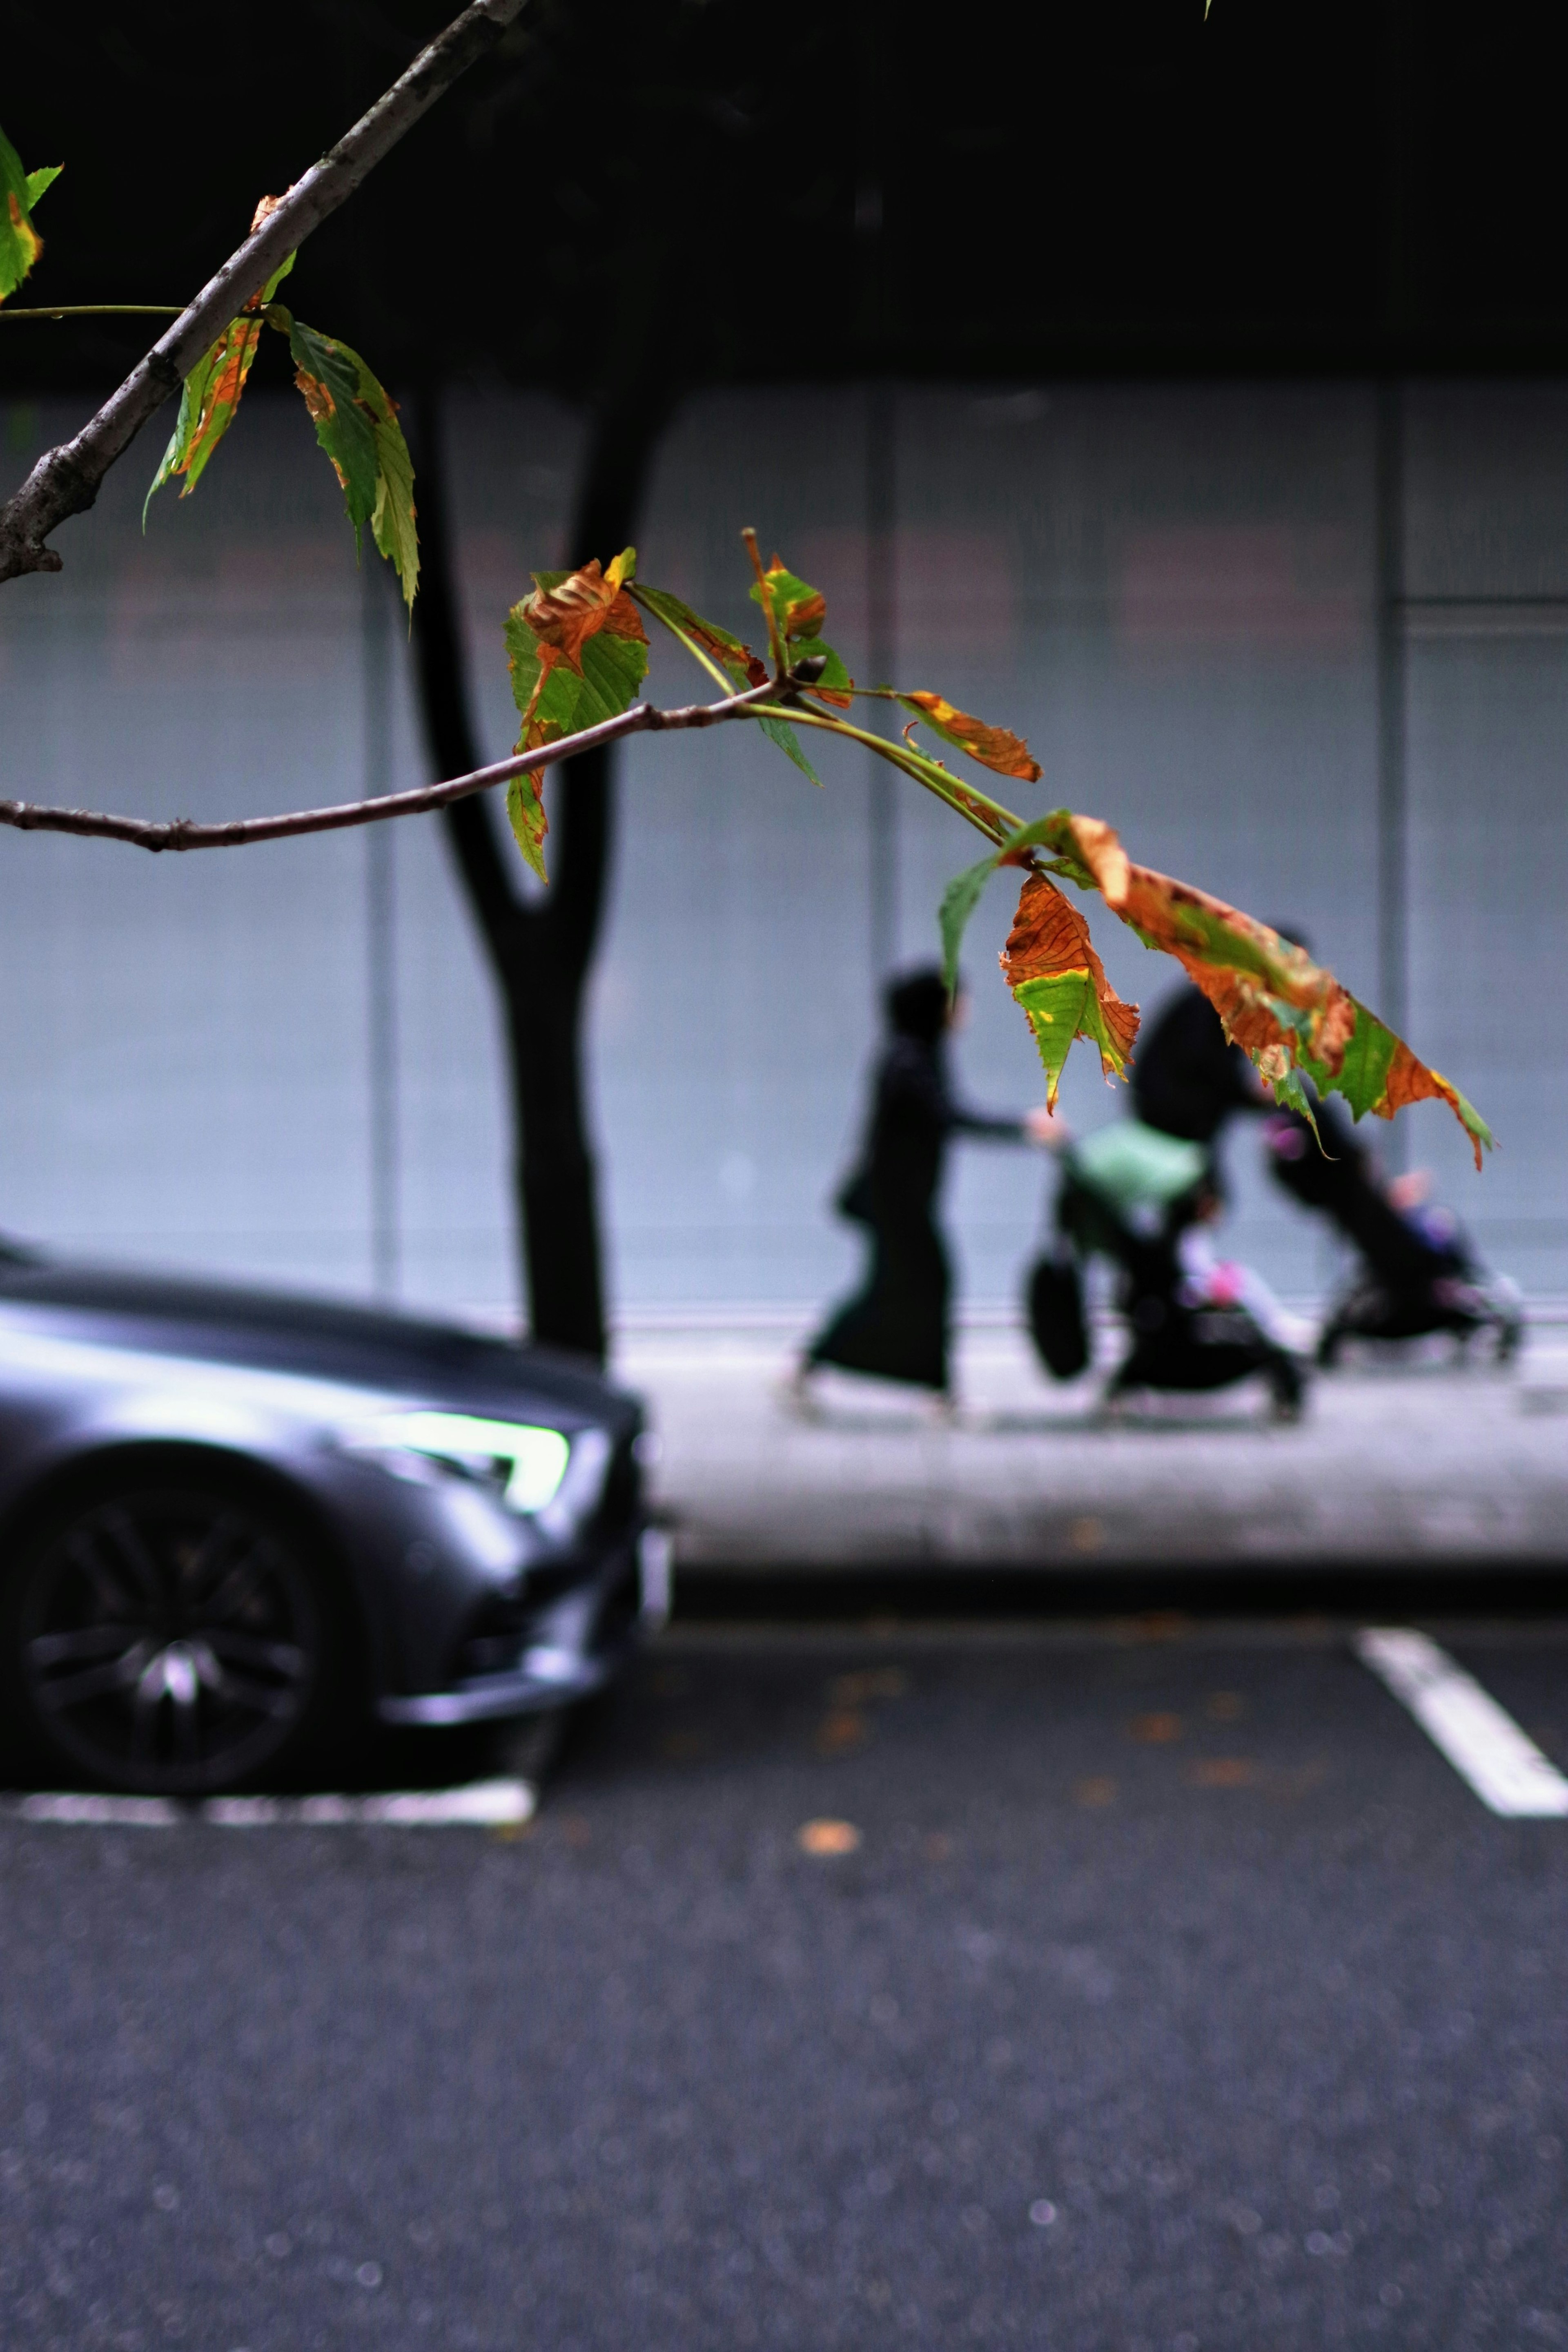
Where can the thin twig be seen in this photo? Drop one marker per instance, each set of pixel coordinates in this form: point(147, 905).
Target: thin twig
point(65, 480)
point(100, 310)
point(185, 833)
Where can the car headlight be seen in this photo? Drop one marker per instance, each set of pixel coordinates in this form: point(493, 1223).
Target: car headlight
point(529, 1463)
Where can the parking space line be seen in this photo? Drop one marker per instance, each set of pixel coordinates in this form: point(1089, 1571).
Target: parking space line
point(1480, 1739)
point(478, 1804)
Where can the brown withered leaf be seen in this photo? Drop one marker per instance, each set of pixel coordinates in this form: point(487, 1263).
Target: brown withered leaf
point(565, 616)
point(828, 1838)
point(1156, 1730)
point(993, 747)
point(578, 653)
point(1051, 968)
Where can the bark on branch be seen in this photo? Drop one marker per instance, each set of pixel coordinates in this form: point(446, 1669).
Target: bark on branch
point(65, 480)
point(185, 833)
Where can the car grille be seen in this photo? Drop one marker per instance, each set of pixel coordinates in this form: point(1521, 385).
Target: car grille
point(494, 1641)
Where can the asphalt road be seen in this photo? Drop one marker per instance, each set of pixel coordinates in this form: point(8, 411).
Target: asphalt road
point(1177, 1995)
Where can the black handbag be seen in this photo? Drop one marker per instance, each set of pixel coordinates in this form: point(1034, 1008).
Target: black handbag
point(1053, 1300)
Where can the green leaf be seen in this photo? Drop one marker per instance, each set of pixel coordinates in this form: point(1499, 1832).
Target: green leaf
point(964, 893)
point(833, 684)
point(327, 375)
point(20, 244)
point(1291, 1091)
point(1058, 1009)
point(208, 399)
point(526, 814)
point(779, 731)
point(210, 394)
point(392, 523)
point(1362, 1077)
point(959, 900)
point(798, 611)
point(1472, 1122)
point(355, 423)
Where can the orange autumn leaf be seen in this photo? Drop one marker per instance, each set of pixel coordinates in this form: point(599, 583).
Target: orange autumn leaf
point(1288, 1013)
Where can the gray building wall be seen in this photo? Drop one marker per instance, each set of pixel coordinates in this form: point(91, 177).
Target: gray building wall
point(286, 1061)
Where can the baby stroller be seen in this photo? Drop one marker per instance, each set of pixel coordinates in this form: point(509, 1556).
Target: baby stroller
point(1142, 1200)
point(1418, 1273)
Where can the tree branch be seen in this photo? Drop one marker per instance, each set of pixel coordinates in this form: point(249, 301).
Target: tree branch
point(487, 870)
point(184, 832)
point(65, 480)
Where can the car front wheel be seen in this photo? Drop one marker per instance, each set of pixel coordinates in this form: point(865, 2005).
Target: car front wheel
point(170, 1639)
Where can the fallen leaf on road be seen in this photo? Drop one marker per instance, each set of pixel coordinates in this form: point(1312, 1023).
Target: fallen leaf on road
point(1222, 1773)
point(1155, 1626)
point(1224, 1707)
point(838, 1734)
point(1098, 1790)
point(871, 1682)
point(827, 1837)
point(1156, 1730)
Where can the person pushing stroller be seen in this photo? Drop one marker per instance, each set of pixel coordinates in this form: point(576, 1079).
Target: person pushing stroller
point(1418, 1271)
point(897, 1325)
point(1146, 1202)
point(1145, 1194)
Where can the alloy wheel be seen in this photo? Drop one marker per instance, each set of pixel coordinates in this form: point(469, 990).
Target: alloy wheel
point(170, 1641)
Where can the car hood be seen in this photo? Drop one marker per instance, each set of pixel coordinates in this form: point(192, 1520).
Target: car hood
point(321, 1338)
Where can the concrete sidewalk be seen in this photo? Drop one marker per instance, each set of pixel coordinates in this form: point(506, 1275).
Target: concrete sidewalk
point(1416, 1463)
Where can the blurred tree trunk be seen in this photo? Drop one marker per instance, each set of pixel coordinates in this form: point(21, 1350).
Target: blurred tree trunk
point(541, 949)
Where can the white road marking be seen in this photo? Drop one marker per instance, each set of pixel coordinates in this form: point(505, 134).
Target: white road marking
point(1481, 1741)
point(86, 1811)
point(480, 1804)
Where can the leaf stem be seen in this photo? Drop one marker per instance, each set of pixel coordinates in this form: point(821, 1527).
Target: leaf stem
point(775, 643)
point(987, 816)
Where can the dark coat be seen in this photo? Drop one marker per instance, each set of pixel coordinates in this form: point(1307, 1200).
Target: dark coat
point(1186, 1080)
point(896, 1325)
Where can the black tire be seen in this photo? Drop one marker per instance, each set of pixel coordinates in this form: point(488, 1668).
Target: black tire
point(171, 1634)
